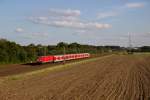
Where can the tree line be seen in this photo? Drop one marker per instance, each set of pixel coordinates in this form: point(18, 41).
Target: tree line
point(11, 52)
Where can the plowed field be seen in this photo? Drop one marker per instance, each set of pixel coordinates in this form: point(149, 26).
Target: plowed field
point(116, 77)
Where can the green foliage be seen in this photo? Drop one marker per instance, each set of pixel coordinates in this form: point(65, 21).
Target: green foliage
point(145, 49)
point(10, 52)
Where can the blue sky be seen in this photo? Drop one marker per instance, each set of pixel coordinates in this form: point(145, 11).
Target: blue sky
point(97, 22)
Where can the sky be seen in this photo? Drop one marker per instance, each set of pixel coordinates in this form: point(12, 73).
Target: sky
point(94, 22)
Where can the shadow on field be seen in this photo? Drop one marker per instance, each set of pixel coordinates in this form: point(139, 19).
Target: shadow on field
point(32, 64)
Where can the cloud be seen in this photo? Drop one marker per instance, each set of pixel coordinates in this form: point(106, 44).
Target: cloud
point(19, 30)
point(35, 35)
point(65, 12)
point(72, 24)
point(27, 34)
point(135, 5)
point(142, 35)
point(119, 10)
point(106, 15)
point(42, 18)
point(81, 31)
point(40, 34)
point(67, 19)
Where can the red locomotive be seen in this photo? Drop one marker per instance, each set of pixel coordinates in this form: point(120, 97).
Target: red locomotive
point(58, 58)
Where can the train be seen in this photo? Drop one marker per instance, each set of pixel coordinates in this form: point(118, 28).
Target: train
point(60, 58)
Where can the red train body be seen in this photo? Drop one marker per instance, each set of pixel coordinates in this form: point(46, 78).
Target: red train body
point(58, 58)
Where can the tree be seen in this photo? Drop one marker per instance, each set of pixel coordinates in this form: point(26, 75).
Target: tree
point(145, 49)
point(62, 44)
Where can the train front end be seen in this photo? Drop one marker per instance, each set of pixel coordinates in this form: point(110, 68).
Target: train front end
point(45, 59)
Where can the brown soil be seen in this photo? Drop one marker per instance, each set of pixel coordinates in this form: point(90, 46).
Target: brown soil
point(117, 77)
point(12, 69)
